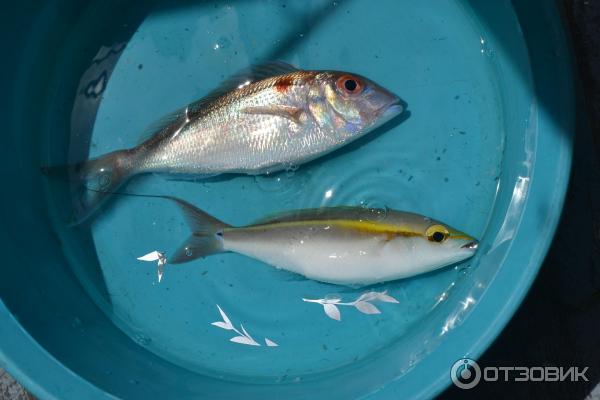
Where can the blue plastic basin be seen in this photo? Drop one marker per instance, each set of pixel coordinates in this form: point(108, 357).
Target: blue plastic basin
point(486, 147)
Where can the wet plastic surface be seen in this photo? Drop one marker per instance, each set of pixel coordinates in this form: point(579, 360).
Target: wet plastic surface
point(475, 165)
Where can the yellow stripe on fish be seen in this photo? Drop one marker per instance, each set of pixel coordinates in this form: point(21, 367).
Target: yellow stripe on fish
point(362, 226)
point(369, 227)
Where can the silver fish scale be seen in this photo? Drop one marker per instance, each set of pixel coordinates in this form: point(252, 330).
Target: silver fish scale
point(224, 138)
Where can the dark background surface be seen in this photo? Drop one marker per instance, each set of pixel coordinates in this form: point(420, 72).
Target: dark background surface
point(558, 324)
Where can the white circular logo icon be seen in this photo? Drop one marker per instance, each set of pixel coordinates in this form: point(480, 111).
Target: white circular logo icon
point(465, 373)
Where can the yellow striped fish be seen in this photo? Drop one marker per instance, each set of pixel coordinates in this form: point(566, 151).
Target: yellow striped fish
point(339, 245)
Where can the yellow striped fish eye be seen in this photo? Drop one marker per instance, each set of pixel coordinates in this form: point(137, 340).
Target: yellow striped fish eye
point(437, 233)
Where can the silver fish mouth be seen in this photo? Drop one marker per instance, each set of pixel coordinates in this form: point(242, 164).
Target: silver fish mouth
point(392, 110)
point(470, 246)
point(388, 112)
point(385, 113)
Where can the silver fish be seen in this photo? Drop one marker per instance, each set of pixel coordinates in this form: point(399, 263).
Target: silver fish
point(339, 245)
point(266, 119)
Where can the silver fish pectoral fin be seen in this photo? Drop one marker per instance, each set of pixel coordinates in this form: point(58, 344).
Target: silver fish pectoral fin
point(288, 112)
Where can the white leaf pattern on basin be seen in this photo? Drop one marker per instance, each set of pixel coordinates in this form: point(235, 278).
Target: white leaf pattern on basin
point(243, 336)
point(363, 303)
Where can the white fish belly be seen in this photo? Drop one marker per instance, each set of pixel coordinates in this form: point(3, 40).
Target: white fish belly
point(346, 260)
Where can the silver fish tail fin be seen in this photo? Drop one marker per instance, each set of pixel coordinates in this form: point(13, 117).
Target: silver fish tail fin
point(97, 179)
point(93, 181)
point(206, 238)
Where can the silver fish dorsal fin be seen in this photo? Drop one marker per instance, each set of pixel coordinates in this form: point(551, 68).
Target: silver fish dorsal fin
point(171, 123)
point(250, 75)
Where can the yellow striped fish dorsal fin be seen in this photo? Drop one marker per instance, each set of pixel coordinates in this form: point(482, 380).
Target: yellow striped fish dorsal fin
point(170, 124)
point(325, 213)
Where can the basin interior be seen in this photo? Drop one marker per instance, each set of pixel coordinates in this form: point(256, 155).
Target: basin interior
point(463, 154)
